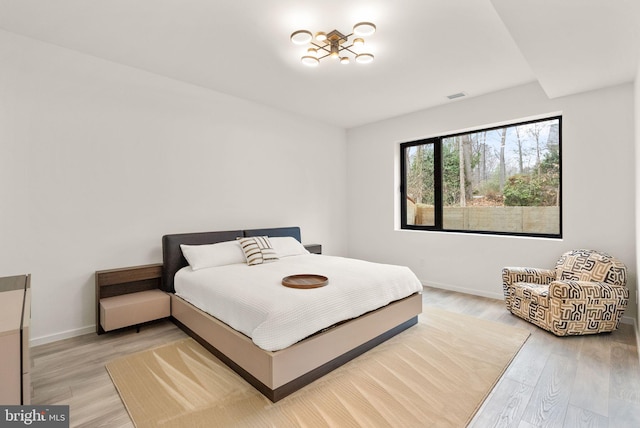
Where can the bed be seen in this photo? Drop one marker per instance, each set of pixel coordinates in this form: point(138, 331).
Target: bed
point(279, 372)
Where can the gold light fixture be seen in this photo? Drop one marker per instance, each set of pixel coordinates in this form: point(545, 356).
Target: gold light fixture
point(335, 45)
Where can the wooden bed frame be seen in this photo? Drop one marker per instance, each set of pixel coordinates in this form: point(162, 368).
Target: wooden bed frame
point(280, 373)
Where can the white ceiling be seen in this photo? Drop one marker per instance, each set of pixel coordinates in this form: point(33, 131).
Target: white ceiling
point(424, 49)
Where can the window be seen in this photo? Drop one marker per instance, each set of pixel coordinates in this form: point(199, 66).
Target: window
point(502, 180)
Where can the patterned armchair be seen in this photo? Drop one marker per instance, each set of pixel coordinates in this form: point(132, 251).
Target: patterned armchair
point(586, 293)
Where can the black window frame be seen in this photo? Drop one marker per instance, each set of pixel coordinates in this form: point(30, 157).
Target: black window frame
point(438, 205)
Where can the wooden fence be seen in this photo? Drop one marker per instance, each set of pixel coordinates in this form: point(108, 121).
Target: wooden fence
point(544, 220)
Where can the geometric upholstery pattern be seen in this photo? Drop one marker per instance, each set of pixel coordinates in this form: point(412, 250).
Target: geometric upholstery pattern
point(589, 265)
point(585, 293)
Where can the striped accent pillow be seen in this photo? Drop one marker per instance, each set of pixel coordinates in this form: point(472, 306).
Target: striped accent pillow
point(258, 250)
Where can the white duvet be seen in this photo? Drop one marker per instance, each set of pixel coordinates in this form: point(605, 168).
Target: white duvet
point(252, 299)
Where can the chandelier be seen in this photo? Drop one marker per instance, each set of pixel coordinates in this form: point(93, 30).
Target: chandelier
point(335, 45)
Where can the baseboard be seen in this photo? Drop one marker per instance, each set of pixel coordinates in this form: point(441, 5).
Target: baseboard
point(472, 291)
point(43, 340)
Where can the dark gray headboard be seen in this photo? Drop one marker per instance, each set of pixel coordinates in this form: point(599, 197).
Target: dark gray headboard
point(277, 231)
point(172, 257)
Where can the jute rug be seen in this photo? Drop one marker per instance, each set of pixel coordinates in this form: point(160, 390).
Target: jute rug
point(436, 374)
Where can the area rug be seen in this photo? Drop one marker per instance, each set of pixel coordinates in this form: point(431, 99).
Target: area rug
point(435, 374)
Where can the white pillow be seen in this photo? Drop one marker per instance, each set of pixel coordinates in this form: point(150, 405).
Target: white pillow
point(211, 255)
point(286, 246)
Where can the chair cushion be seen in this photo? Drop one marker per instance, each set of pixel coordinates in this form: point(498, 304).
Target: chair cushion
point(536, 293)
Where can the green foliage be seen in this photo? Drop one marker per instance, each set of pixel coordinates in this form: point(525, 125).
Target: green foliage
point(420, 185)
point(490, 189)
point(537, 189)
point(520, 190)
point(530, 190)
point(451, 174)
point(550, 164)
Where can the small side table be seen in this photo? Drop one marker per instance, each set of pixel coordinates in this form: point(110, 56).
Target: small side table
point(130, 296)
point(313, 248)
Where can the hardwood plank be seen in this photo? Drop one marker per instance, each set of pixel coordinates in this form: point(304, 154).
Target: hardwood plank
point(623, 413)
point(591, 386)
point(625, 378)
point(505, 406)
point(530, 362)
point(578, 417)
point(550, 398)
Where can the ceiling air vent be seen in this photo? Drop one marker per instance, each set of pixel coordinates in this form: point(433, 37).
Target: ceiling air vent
point(458, 95)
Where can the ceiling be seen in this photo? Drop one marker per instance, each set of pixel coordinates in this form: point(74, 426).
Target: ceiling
point(424, 50)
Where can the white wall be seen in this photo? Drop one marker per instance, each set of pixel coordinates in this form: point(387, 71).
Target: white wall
point(598, 164)
point(98, 161)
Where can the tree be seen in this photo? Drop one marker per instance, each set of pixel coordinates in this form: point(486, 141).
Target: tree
point(536, 131)
point(416, 177)
point(503, 166)
point(461, 168)
point(466, 187)
point(420, 186)
point(482, 156)
point(450, 172)
point(519, 142)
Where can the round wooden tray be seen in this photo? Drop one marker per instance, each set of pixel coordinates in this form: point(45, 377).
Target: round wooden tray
point(306, 280)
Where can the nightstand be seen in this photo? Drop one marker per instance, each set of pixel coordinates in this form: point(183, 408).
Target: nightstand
point(313, 248)
point(129, 296)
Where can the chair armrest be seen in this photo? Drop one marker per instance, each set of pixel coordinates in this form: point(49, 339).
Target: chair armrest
point(587, 290)
point(511, 275)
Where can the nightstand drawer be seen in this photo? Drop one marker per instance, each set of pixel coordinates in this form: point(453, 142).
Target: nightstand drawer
point(133, 308)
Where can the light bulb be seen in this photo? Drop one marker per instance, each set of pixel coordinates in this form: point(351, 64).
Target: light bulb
point(320, 36)
point(301, 37)
point(344, 60)
point(364, 58)
point(364, 28)
point(358, 43)
point(335, 50)
point(310, 61)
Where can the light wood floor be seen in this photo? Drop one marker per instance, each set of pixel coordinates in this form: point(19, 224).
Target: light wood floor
point(586, 381)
